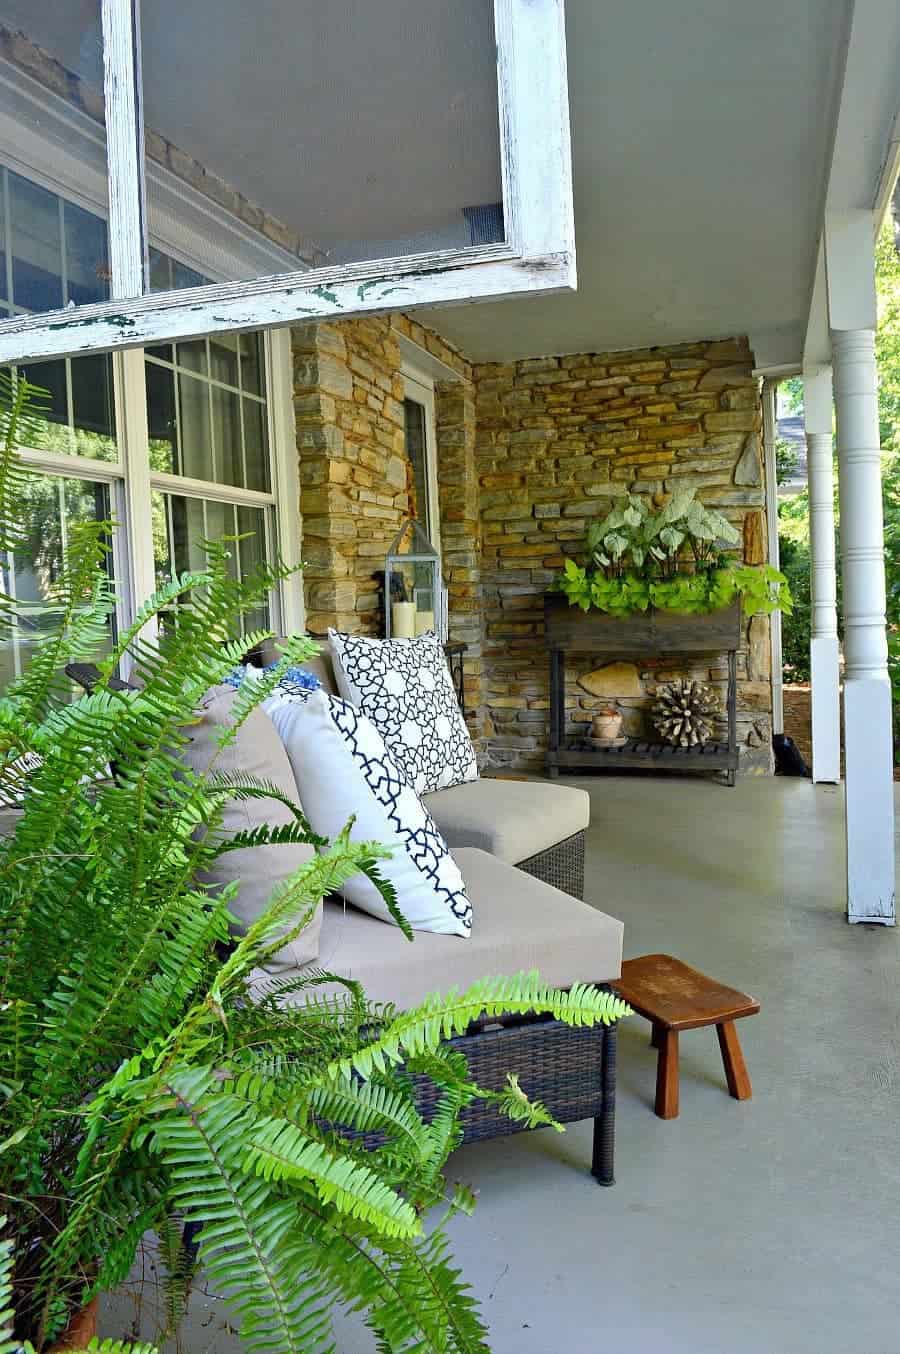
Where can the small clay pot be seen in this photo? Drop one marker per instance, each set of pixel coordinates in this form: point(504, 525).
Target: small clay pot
point(607, 726)
point(80, 1331)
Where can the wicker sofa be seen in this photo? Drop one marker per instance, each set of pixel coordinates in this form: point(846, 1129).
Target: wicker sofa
point(520, 848)
point(500, 831)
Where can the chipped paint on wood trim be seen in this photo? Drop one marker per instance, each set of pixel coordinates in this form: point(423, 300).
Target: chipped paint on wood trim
point(174, 315)
point(539, 254)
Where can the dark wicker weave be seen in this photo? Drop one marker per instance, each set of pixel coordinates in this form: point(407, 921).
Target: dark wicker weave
point(561, 865)
point(572, 1072)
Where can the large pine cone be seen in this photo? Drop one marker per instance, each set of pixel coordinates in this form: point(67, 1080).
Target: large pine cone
point(682, 713)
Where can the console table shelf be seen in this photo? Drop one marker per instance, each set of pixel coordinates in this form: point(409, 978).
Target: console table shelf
point(648, 634)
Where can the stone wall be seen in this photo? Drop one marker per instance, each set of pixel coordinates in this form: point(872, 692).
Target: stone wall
point(356, 489)
point(556, 439)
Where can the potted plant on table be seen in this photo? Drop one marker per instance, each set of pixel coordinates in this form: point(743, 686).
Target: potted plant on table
point(143, 1085)
point(676, 560)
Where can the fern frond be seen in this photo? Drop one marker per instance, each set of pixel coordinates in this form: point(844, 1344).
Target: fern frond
point(279, 1151)
point(246, 1241)
point(437, 1018)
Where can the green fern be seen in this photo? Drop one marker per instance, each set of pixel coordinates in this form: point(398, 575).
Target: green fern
point(144, 1081)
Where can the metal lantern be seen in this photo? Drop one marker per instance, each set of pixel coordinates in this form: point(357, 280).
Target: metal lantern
point(415, 599)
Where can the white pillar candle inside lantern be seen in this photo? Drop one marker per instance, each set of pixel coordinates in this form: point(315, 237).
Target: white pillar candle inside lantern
point(403, 620)
point(414, 589)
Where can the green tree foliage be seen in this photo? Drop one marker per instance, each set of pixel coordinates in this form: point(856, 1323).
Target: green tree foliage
point(143, 1084)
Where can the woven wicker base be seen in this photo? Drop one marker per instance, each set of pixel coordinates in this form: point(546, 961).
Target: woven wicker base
point(572, 1072)
point(561, 865)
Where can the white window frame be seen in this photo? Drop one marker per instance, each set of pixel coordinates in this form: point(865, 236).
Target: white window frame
point(420, 387)
point(72, 175)
point(537, 255)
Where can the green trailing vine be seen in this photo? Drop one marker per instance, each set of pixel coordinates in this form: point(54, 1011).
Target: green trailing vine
point(675, 560)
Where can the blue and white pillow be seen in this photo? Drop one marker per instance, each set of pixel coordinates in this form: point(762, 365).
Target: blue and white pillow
point(294, 679)
point(405, 688)
point(342, 767)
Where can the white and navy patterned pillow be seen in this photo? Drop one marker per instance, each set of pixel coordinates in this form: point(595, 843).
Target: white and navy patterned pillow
point(342, 767)
point(405, 688)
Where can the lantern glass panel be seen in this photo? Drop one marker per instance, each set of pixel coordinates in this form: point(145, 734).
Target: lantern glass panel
point(413, 586)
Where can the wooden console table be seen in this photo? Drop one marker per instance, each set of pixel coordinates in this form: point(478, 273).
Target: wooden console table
point(648, 634)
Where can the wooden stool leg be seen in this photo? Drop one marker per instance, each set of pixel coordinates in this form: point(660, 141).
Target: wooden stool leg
point(733, 1061)
point(655, 1036)
point(667, 1075)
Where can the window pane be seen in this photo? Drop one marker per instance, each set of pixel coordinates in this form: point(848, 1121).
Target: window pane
point(181, 523)
point(226, 415)
point(256, 444)
point(36, 241)
point(55, 505)
point(160, 271)
point(223, 358)
point(161, 417)
point(58, 252)
point(335, 133)
point(86, 256)
point(194, 428)
point(192, 356)
point(93, 407)
point(54, 424)
point(417, 451)
point(251, 363)
point(251, 523)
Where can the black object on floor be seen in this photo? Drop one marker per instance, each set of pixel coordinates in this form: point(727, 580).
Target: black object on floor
point(788, 761)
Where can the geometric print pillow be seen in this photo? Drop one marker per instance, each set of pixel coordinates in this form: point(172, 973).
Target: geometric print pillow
point(342, 767)
point(404, 687)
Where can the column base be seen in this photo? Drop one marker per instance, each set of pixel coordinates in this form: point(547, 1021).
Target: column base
point(869, 800)
point(824, 660)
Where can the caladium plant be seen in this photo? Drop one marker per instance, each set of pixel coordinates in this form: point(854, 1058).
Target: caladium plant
point(675, 559)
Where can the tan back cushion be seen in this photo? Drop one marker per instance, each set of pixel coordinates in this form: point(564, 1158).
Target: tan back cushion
point(320, 666)
point(256, 751)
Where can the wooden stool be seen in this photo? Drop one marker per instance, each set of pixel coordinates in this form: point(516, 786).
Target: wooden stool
point(675, 997)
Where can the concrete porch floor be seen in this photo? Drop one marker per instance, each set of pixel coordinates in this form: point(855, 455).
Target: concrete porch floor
point(764, 1227)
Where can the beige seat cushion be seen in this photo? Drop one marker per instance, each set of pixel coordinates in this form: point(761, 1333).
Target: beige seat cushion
point(257, 751)
point(519, 923)
point(513, 819)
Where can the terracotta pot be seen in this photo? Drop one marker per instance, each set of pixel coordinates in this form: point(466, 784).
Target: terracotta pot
point(80, 1331)
point(607, 727)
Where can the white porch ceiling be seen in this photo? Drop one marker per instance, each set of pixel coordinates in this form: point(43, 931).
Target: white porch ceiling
point(703, 134)
point(701, 140)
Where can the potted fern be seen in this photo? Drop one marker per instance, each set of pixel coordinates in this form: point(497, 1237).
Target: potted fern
point(141, 1088)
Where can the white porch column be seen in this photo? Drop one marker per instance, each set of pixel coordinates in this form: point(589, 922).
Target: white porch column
point(823, 649)
point(869, 792)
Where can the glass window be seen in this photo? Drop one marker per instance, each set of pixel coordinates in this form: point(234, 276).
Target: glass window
point(207, 410)
point(59, 254)
point(180, 526)
point(55, 504)
point(417, 451)
point(206, 407)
